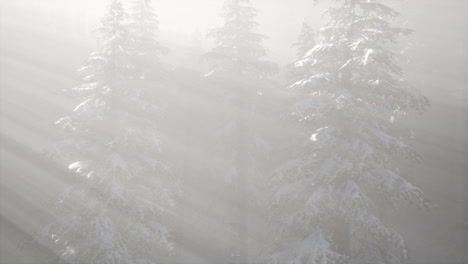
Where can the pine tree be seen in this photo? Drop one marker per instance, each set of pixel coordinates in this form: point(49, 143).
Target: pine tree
point(305, 41)
point(115, 213)
point(144, 27)
point(238, 47)
point(328, 192)
point(237, 63)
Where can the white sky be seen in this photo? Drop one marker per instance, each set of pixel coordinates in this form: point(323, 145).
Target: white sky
point(181, 15)
point(280, 20)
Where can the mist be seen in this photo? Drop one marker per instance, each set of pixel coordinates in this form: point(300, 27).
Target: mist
point(234, 131)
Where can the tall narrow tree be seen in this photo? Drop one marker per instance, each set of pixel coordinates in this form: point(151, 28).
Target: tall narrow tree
point(353, 93)
point(238, 47)
point(114, 213)
point(237, 63)
point(144, 27)
point(305, 41)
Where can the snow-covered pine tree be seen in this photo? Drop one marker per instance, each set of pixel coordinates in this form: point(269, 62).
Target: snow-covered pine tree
point(328, 193)
point(238, 69)
point(305, 41)
point(115, 212)
point(144, 27)
point(238, 47)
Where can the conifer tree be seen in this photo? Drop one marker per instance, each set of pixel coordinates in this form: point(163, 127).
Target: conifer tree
point(238, 68)
point(238, 47)
point(305, 41)
point(115, 213)
point(144, 27)
point(327, 194)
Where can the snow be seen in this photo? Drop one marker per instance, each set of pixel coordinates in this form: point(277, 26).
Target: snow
point(336, 163)
point(365, 58)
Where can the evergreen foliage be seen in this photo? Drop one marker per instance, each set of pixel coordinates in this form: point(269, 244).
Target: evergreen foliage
point(116, 212)
point(351, 94)
point(238, 47)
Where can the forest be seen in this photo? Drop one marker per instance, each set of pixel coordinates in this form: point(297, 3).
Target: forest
point(234, 132)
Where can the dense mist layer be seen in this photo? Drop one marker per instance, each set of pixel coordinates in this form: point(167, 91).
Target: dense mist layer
point(234, 131)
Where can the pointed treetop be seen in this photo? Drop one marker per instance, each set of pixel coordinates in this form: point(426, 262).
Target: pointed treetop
point(306, 40)
point(238, 46)
point(144, 24)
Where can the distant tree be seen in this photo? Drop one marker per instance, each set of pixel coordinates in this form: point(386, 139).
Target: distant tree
point(328, 193)
point(116, 212)
point(196, 49)
point(305, 41)
point(144, 28)
point(238, 47)
point(239, 71)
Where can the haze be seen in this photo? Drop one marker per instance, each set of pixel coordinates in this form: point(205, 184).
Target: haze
point(43, 43)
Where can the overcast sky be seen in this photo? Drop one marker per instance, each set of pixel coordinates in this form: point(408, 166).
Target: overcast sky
point(37, 58)
point(280, 20)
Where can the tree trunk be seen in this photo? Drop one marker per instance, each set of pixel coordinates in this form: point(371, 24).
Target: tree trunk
point(384, 219)
point(342, 236)
point(238, 227)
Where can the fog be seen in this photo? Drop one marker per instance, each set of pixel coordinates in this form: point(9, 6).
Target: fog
point(201, 159)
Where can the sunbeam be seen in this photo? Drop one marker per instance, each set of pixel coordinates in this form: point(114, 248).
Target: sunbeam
point(234, 131)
